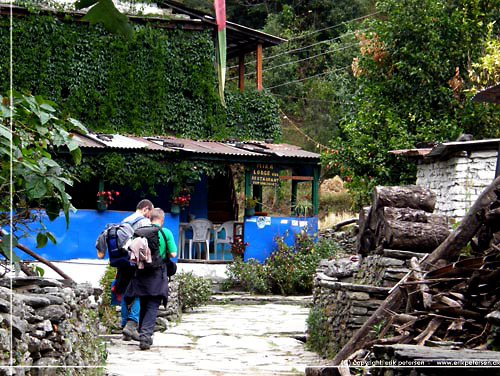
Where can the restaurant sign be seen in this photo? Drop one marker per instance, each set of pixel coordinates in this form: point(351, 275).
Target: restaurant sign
point(265, 174)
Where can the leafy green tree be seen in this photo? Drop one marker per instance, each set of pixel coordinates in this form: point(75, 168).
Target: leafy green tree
point(30, 130)
point(486, 71)
point(411, 81)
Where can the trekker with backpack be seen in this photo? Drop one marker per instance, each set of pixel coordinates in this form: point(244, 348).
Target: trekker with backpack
point(130, 317)
point(150, 283)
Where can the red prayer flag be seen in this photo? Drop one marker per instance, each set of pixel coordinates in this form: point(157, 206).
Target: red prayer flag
point(220, 14)
point(220, 19)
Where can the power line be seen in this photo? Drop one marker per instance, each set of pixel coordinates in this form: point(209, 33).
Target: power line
point(297, 61)
point(331, 27)
point(300, 48)
point(316, 143)
point(311, 100)
point(307, 78)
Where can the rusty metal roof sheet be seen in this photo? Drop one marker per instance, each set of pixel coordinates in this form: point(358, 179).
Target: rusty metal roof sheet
point(174, 144)
point(412, 153)
point(489, 95)
point(446, 148)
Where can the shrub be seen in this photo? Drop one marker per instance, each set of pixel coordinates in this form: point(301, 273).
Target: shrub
point(194, 291)
point(317, 331)
point(291, 268)
point(107, 313)
point(250, 275)
point(288, 271)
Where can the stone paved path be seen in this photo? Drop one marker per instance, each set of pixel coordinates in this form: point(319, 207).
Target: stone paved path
point(229, 339)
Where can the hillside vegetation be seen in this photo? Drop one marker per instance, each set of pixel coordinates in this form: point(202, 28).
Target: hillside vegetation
point(359, 78)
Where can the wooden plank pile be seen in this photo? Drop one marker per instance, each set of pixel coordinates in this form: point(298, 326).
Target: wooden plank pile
point(401, 218)
point(446, 307)
point(445, 298)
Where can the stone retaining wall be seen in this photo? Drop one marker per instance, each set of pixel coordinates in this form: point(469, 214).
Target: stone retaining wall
point(345, 307)
point(386, 269)
point(348, 290)
point(53, 324)
point(346, 240)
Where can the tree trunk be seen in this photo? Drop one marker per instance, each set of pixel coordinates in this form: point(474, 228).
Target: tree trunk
point(413, 236)
point(44, 261)
point(411, 196)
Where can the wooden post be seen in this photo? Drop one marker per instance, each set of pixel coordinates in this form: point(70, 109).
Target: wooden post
point(497, 169)
point(242, 72)
point(315, 190)
point(293, 201)
point(259, 67)
point(257, 193)
point(248, 184)
point(100, 203)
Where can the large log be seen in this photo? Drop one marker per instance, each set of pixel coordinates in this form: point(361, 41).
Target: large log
point(413, 236)
point(448, 250)
point(411, 215)
point(411, 196)
point(379, 223)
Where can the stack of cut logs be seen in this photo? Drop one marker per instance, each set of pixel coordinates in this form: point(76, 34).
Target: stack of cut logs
point(401, 218)
point(447, 299)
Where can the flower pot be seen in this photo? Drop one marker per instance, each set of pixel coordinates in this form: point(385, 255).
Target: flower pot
point(249, 212)
point(101, 206)
point(175, 209)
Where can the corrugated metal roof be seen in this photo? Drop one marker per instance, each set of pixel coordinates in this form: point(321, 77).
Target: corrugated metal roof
point(412, 152)
point(489, 95)
point(174, 144)
point(446, 148)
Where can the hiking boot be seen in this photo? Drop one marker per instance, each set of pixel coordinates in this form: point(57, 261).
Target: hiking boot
point(126, 337)
point(145, 343)
point(130, 330)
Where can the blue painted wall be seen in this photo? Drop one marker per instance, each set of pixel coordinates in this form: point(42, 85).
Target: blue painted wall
point(260, 233)
point(78, 241)
point(198, 205)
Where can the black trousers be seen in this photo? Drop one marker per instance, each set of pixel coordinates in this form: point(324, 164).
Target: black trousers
point(147, 315)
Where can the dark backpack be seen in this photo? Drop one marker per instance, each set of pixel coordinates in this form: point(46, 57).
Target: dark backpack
point(151, 234)
point(116, 236)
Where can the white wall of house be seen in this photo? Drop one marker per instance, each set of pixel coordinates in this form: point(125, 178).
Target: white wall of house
point(457, 181)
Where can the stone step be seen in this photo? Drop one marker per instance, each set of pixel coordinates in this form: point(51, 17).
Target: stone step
point(247, 298)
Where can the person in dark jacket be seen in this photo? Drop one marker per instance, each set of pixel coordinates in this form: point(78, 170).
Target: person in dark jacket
point(130, 315)
point(151, 283)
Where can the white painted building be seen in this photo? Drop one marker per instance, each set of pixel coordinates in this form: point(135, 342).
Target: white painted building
point(456, 171)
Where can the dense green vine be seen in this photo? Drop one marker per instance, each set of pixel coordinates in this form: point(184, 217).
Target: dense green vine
point(138, 170)
point(161, 82)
